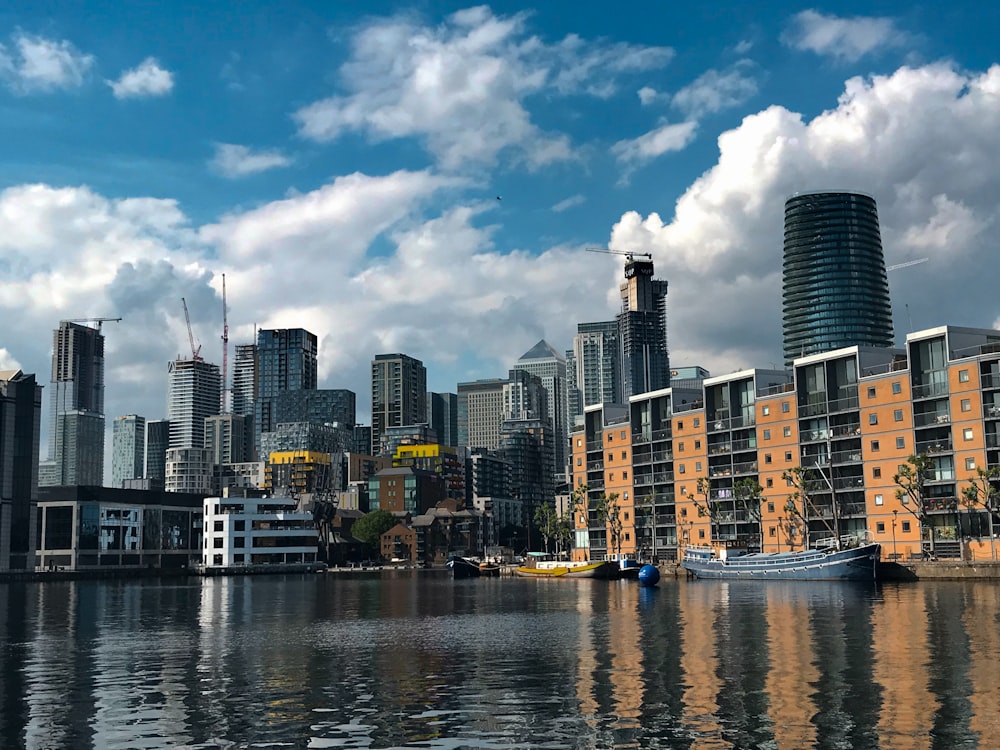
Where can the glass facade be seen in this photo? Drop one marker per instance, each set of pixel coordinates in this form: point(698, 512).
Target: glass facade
point(835, 289)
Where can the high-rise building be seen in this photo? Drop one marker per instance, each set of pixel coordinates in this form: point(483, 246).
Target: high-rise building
point(642, 330)
point(480, 413)
point(326, 406)
point(193, 393)
point(550, 366)
point(593, 368)
point(76, 407)
point(224, 438)
point(20, 424)
point(244, 390)
point(525, 396)
point(835, 292)
point(399, 394)
point(442, 416)
point(286, 361)
point(157, 442)
point(128, 449)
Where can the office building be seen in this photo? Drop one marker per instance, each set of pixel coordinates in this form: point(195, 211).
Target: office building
point(835, 292)
point(286, 361)
point(128, 449)
point(527, 445)
point(550, 367)
point(642, 330)
point(225, 438)
point(20, 424)
point(399, 394)
point(244, 392)
point(157, 442)
point(481, 412)
point(362, 439)
point(442, 416)
point(593, 368)
point(76, 407)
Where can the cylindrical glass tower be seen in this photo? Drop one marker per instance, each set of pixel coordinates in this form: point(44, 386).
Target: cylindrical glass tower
point(835, 292)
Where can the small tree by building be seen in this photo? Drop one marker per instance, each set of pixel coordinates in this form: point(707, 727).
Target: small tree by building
point(800, 506)
point(911, 480)
point(547, 522)
point(704, 503)
point(749, 495)
point(981, 492)
point(605, 511)
point(371, 526)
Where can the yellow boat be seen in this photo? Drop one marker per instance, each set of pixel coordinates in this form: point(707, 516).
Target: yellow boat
point(568, 569)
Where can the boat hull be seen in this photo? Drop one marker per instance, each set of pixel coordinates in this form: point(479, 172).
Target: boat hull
point(857, 564)
point(591, 570)
point(462, 568)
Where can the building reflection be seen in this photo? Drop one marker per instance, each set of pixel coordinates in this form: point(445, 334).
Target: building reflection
point(699, 663)
point(983, 626)
point(792, 669)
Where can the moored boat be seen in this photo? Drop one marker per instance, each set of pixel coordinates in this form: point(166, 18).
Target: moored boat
point(568, 569)
point(857, 563)
point(463, 568)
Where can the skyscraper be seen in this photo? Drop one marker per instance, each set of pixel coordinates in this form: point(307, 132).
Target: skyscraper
point(399, 394)
point(642, 330)
point(128, 449)
point(442, 416)
point(481, 412)
point(157, 442)
point(835, 292)
point(550, 366)
point(193, 392)
point(593, 368)
point(76, 407)
point(286, 361)
point(20, 424)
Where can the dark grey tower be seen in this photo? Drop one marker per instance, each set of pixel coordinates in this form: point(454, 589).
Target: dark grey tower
point(642, 330)
point(835, 292)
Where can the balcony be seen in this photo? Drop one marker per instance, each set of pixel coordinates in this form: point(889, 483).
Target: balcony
point(932, 418)
point(930, 390)
point(846, 457)
point(848, 483)
point(812, 436)
point(940, 445)
point(844, 404)
point(991, 411)
point(851, 429)
point(663, 455)
point(715, 449)
point(992, 440)
point(817, 460)
point(813, 407)
point(595, 445)
point(745, 468)
point(991, 380)
point(854, 509)
point(722, 424)
point(744, 445)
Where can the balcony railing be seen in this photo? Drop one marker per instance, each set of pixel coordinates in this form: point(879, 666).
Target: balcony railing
point(745, 468)
point(844, 404)
point(812, 408)
point(720, 424)
point(663, 455)
point(595, 445)
point(991, 380)
point(845, 457)
point(845, 430)
point(744, 445)
point(991, 411)
point(940, 445)
point(843, 483)
point(818, 460)
point(992, 440)
point(929, 390)
point(714, 449)
point(855, 509)
point(930, 418)
point(812, 436)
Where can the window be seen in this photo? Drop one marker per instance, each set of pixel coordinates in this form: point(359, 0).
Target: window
point(787, 432)
point(240, 525)
point(769, 482)
point(697, 445)
point(906, 525)
point(785, 407)
point(871, 391)
point(624, 435)
point(239, 541)
point(880, 527)
point(873, 418)
point(788, 455)
point(900, 443)
point(680, 447)
point(217, 543)
point(579, 461)
point(611, 437)
point(680, 424)
point(624, 455)
point(897, 415)
point(765, 410)
point(697, 466)
point(877, 472)
point(627, 535)
point(611, 477)
point(767, 458)
point(624, 475)
point(611, 457)
point(579, 442)
point(697, 422)
point(625, 495)
point(874, 446)
point(770, 531)
point(966, 404)
point(767, 434)
point(770, 507)
point(218, 526)
point(684, 511)
point(701, 533)
point(879, 500)
point(897, 387)
point(970, 464)
point(967, 433)
point(626, 515)
point(681, 469)
point(963, 376)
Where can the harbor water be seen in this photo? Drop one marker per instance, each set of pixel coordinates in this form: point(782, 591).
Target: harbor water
point(412, 659)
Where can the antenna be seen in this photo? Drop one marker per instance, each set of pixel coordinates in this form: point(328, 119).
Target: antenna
point(195, 350)
point(629, 255)
point(225, 346)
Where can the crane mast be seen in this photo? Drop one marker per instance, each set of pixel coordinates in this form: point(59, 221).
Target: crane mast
point(225, 347)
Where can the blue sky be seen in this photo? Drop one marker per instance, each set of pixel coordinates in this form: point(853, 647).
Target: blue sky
point(341, 162)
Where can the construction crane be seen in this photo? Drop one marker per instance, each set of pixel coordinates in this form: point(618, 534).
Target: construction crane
point(99, 321)
point(907, 264)
point(629, 255)
point(195, 350)
point(225, 346)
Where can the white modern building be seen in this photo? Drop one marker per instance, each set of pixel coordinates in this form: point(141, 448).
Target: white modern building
point(193, 392)
point(257, 531)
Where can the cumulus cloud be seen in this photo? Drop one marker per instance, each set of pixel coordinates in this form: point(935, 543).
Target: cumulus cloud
point(34, 63)
point(648, 146)
point(567, 203)
point(721, 249)
point(648, 95)
point(843, 39)
point(716, 90)
point(145, 80)
point(234, 160)
point(460, 88)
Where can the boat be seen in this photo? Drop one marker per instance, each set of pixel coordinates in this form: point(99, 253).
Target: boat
point(489, 570)
point(629, 568)
point(462, 567)
point(568, 569)
point(824, 563)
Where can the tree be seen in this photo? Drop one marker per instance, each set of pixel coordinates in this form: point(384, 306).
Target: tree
point(911, 479)
point(707, 506)
point(981, 492)
point(371, 526)
point(606, 510)
point(800, 505)
point(749, 495)
point(547, 521)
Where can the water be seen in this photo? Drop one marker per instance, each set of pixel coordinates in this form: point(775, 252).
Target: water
point(415, 660)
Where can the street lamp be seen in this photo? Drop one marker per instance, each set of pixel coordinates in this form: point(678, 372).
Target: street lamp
point(895, 513)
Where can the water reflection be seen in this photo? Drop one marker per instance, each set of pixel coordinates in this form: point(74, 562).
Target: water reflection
point(417, 660)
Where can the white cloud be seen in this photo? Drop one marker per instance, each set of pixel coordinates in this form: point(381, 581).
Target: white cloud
point(648, 146)
point(7, 362)
point(743, 46)
point(146, 79)
point(721, 250)
point(234, 160)
point(460, 87)
point(568, 203)
point(39, 64)
point(844, 39)
point(648, 95)
point(716, 90)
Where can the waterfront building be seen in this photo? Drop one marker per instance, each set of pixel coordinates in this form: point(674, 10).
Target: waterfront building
point(642, 329)
point(405, 490)
point(527, 445)
point(440, 459)
point(550, 367)
point(296, 473)
point(286, 361)
point(490, 491)
point(103, 528)
point(481, 412)
point(20, 424)
point(399, 394)
point(128, 449)
point(835, 292)
point(245, 531)
point(157, 442)
point(593, 368)
point(442, 416)
point(76, 407)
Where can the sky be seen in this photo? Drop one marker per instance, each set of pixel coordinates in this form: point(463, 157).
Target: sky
point(427, 177)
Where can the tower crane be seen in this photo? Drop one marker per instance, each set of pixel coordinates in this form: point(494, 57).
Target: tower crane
point(99, 321)
point(907, 264)
point(225, 346)
point(629, 255)
point(195, 350)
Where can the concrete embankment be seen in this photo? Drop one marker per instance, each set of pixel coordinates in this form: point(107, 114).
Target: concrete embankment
point(941, 570)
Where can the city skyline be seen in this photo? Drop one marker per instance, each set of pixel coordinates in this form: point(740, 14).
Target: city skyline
point(129, 190)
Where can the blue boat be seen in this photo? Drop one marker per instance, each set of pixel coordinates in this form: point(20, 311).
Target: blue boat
point(854, 564)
